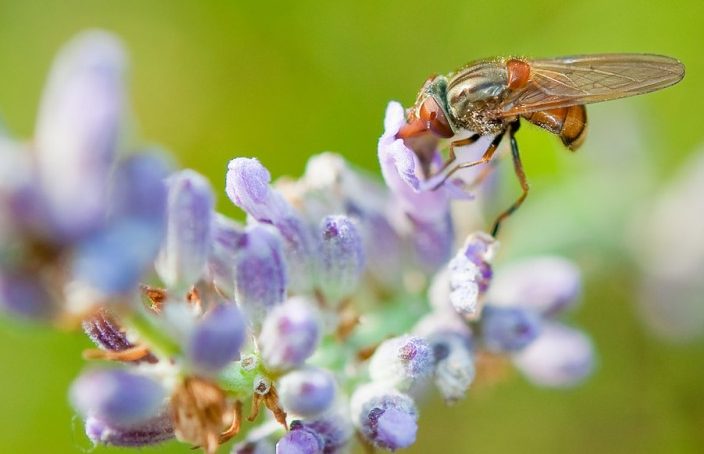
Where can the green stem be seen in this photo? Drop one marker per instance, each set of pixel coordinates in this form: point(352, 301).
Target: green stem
point(151, 334)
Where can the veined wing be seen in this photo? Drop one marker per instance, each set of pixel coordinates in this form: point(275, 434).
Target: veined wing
point(585, 79)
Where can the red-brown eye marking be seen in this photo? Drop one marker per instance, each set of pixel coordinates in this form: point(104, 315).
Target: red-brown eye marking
point(432, 114)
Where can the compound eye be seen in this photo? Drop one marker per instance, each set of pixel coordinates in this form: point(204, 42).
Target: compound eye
point(435, 118)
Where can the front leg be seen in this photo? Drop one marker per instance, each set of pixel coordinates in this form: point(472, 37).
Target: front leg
point(451, 166)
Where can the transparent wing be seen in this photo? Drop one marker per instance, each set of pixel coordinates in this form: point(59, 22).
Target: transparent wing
point(584, 79)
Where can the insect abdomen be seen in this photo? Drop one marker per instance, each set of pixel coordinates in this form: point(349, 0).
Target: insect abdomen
point(570, 123)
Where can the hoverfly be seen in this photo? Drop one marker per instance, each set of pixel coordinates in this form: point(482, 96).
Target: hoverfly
point(490, 97)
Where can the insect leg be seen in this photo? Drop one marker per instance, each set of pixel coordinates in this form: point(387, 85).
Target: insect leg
point(483, 175)
point(460, 143)
point(486, 157)
point(518, 168)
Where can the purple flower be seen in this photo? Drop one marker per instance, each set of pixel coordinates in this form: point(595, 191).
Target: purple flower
point(386, 418)
point(341, 258)
point(547, 285)
point(402, 172)
point(189, 219)
point(117, 397)
point(330, 185)
point(248, 188)
point(77, 131)
point(150, 432)
point(508, 329)
point(402, 362)
point(469, 274)
point(464, 288)
point(560, 357)
point(333, 428)
point(454, 365)
point(138, 190)
point(299, 249)
point(451, 341)
point(300, 440)
point(260, 272)
point(216, 340)
point(290, 334)
point(114, 259)
point(226, 237)
point(307, 392)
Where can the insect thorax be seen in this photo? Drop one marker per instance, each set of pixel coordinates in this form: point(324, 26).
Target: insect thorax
point(476, 120)
point(474, 92)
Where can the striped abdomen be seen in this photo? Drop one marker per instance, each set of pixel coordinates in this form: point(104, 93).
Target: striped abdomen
point(570, 123)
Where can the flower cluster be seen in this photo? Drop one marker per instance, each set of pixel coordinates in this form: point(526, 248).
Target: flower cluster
point(335, 306)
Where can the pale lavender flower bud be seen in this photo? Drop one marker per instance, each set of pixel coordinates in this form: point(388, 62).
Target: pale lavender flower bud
point(247, 185)
point(137, 205)
point(221, 262)
point(307, 392)
point(78, 129)
point(548, 285)
point(117, 397)
point(248, 188)
point(454, 365)
point(23, 294)
point(334, 427)
point(480, 249)
point(150, 432)
point(189, 219)
point(260, 272)
point(290, 334)
point(216, 339)
point(325, 187)
point(300, 440)
point(299, 246)
point(464, 289)
point(113, 260)
point(560, 357)
point(330, 185)
point(341, 258)
point(450, 338)
point(402, 362)
point(386, 418)
point(139, 189)
point(401, 170)
point(470, 273)
point(509, 329)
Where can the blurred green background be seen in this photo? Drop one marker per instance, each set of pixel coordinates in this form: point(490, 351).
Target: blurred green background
point(211, 80)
